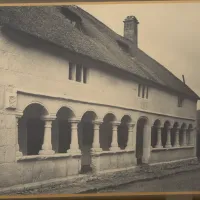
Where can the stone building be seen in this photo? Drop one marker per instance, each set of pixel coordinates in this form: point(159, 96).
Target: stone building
point(77, 97)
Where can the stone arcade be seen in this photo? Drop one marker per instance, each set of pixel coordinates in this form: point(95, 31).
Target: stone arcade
point(75, 97)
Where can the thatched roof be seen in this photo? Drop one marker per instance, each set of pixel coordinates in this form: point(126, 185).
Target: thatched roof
point(92, 39)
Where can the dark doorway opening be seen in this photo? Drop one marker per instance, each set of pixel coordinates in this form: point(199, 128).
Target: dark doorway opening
point(35, 135)
point(139, 140)
point(64, 136)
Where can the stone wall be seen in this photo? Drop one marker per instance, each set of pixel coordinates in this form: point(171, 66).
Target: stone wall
point(166, 155)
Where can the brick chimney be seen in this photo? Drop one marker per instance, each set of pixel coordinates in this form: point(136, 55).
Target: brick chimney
point(131, 29)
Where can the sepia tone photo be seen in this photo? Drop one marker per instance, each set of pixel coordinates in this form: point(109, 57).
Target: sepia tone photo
point(99, 98)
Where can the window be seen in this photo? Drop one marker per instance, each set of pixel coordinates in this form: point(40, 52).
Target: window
point(84, 75)
point(77, 72)
point(147, 92)
point(180, 101)
point(139, 89)
point(143, 91)
point(70, 71)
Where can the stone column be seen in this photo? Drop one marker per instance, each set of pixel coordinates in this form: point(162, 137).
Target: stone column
point(176, 142)
point(159, 142)
point(96, 142)
point(74, 146)
point(47, 145)
point(114, 144)
point(18, 152)
point(191, 137)
point(146, 143)
point(130, 137)
point(168, 142)
point(184, 137)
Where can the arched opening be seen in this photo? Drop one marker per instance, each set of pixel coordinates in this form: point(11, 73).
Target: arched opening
point(31, 129)
point(61, 130)
point(106, 131)
point(181, 134)
point(86, 134)
point(173, 133)
point(164, 134)
point(154, 133)
point(141, 123)
point(123, 132)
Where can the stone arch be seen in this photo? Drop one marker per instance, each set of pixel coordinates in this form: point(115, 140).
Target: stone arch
point(86, 136)
point(154, 132)
point(89, 115)
point(36, 103)
point(106, 131)
point(61, 130)
point(31, 128)
point(123, 131)
point(110, 116)
point(141, 134)
point(68, 110)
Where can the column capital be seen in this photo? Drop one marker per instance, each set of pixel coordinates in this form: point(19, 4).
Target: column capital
point(48, 118)
point(131, 125)
point(19, 115)
point(75, 121)
point(115, 123)
point(97, 122)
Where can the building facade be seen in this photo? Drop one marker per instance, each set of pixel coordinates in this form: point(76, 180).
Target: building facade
point(62, 114)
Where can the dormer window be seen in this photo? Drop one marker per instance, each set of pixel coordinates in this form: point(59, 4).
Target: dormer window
point(143, 91)
point(72, 17)
point(78, 73)
point(180, 101)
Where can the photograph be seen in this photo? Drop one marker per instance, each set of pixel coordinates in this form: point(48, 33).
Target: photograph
point(100, 98)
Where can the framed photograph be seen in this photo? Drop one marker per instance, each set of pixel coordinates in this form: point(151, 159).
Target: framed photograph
point(99, 98)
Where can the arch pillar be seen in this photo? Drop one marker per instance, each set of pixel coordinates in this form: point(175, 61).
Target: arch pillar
point(168, 142)
point(146, 143)
point(74, 146)
point(18, 152)
point(184, 137)
point(96, 141)
point(159, 142)
point(47, 144)
point(131, 135)
point(176, 142)
point(191, 137)
point(114, 144)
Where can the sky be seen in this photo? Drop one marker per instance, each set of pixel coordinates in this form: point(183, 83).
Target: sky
point(168, 32)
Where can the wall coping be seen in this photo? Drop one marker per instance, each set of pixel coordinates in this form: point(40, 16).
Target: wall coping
point(46, 157)
point(172, 148)
point(99, 104)
point(112, 152)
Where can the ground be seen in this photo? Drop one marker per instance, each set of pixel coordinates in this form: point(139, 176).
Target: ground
point(186, 181)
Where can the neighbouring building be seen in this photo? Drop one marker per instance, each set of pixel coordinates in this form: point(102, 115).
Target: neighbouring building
point(77, 97)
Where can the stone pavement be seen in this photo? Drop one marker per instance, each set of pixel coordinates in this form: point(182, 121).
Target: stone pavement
point(91, 183)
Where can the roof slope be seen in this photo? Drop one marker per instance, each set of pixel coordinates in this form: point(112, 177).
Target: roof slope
point(95, 40)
